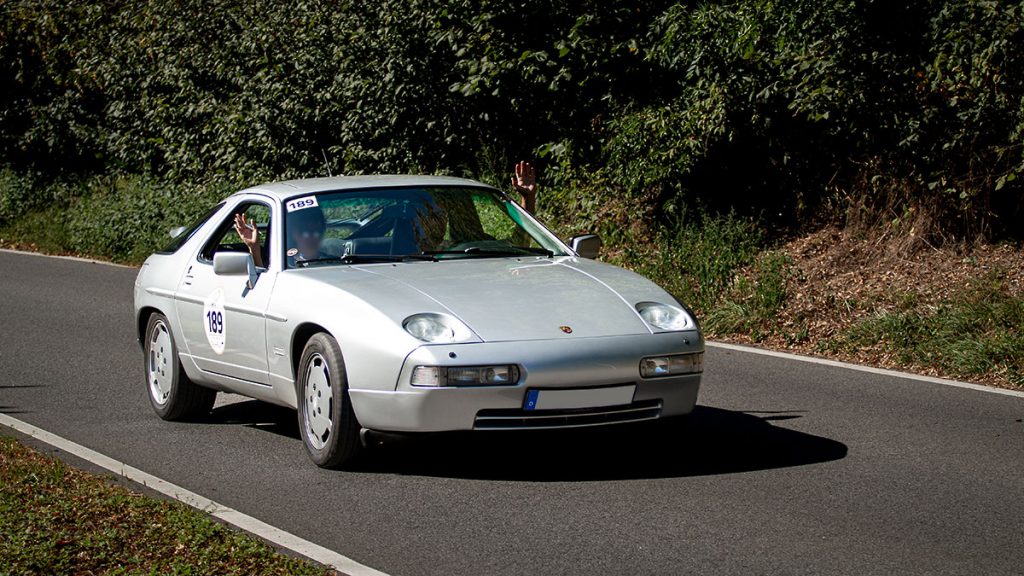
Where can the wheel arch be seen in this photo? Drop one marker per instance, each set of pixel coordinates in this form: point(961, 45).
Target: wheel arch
point(145, 313)
point(303, 332)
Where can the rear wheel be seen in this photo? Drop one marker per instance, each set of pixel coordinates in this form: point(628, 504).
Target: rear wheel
point(172, 395)
point(328, 425)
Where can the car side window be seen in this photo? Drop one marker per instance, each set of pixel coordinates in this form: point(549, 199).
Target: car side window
point(183, 237)
point(226, 239)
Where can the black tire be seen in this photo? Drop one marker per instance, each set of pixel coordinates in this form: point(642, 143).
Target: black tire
point(321, 389)
point(172, 395)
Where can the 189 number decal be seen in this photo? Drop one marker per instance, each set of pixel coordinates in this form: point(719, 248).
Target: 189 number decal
point(301, 203)
point(213, 319)
point(215, 322)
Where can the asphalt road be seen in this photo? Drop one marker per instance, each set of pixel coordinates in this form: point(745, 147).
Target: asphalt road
point(786, 468)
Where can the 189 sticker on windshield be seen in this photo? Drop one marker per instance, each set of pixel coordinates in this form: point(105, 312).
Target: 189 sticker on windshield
point(301, 203)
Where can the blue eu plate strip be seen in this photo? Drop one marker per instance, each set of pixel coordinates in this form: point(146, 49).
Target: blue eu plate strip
point(531, 399)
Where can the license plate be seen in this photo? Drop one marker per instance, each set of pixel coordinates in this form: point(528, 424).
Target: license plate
point(579, 398)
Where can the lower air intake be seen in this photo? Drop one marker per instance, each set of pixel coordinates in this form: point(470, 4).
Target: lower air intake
point(541, 419)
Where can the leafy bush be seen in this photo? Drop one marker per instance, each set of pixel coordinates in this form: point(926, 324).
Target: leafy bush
point(123, 218)
point(779, 106)
point(264, 88)
point(637, 111)
point(17, 195)
point(127, 218)
point(697, 259)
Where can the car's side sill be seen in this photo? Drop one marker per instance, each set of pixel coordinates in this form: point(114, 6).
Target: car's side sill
point(234, 379)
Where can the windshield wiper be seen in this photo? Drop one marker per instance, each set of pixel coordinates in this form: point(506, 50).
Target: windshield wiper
point(362, 258)
point(510, 251)
point(367, 258)
point(304, 263)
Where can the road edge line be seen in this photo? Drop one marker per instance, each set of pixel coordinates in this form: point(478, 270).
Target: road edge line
point(63, 257)
point(861, 368)
point(239, 520)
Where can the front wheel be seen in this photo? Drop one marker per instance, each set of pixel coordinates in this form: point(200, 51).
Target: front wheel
point(328, 425)
point(172, 395)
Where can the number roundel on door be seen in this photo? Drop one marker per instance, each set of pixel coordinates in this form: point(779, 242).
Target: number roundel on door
point(213, 320)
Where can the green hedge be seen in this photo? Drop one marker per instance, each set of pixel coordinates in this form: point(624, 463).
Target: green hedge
point(122, 218)
point(774, 108)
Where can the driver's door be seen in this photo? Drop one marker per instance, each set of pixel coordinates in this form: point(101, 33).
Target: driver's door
point(223, 321)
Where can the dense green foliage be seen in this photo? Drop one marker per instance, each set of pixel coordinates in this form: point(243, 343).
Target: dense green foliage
point(267, 89)
point(679, 258)
point(781, 105)
point(775, 108)
point(119, 217)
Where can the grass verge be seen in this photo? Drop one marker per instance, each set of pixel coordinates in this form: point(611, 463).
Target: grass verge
point(55, 519)
point(954, 313)
point(977, 332)
point(753, 300)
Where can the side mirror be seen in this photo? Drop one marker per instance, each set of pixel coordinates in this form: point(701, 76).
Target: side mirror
point(236, 264)
point(586, 246)
point(177, 231)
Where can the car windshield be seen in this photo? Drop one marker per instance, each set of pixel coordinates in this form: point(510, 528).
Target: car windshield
point(402, 224)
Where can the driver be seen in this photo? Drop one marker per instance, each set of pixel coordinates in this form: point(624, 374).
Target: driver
point(429, 226)
point(250, 235)
point(305, 232)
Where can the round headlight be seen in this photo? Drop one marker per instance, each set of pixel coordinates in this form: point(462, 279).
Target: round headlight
point(435, 328)
point(664, 317)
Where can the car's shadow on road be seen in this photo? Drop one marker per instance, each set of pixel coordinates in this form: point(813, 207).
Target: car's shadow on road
point(259, 415)
point(713, 441)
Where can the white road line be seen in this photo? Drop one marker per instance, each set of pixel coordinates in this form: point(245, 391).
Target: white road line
point(231, 516)
point(72, 258)
point(869, 369)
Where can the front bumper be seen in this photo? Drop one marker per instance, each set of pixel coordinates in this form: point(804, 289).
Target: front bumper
point(545, 364)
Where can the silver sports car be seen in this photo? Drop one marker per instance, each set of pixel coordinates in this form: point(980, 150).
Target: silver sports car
point(405, 304)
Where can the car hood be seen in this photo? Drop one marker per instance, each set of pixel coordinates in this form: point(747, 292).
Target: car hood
point(505, 299)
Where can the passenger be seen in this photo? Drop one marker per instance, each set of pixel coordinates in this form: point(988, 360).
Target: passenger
point(460, 217)
point(524, 181)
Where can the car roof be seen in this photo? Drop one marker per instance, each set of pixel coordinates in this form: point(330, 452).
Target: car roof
point(290, 188)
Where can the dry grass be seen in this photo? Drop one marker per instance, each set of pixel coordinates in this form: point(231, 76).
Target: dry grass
point(840, 280)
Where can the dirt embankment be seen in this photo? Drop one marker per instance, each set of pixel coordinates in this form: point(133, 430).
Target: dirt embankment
point(838, 279)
